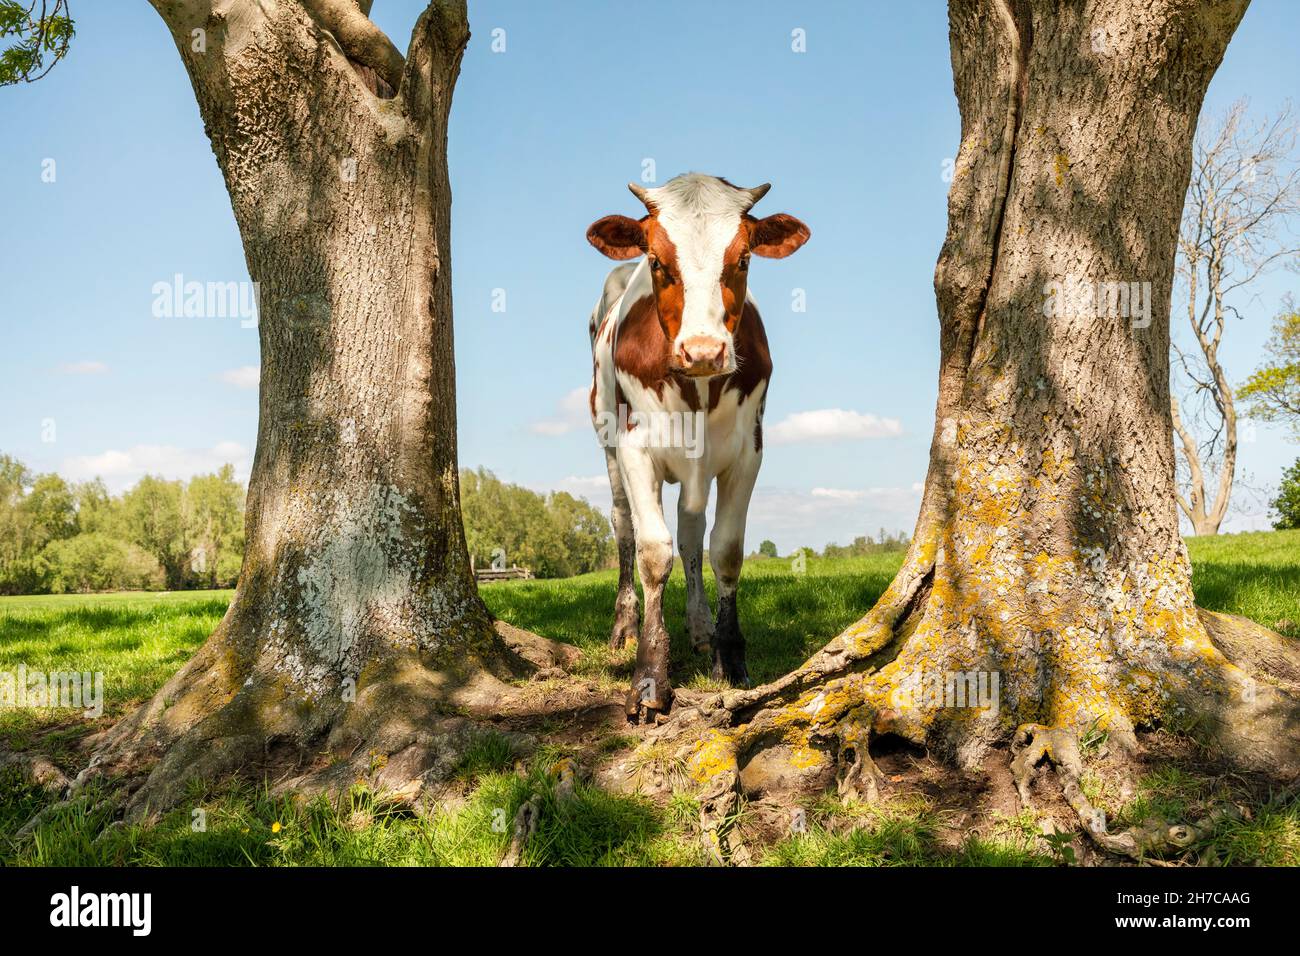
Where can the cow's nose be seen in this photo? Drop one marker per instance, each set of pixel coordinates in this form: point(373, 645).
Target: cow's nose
point(704, 354)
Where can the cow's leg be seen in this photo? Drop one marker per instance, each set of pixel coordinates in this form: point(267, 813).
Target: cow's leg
point(690, 542)
point(626, 620)
point(726, 554)
point(650, 691)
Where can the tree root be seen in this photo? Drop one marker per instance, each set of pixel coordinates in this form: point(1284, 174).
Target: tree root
point(401, 731)
point(810, 730)
point(529, 814)
point(525, 826)
point(36, 770)
point(1059, 747)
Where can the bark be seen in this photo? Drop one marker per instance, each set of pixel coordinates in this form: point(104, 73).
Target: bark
point(356, 644)
point(1047, 550)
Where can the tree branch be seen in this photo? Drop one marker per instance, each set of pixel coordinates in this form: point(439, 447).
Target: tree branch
point(361, 40)
point(1196, 511)
point(437, 43)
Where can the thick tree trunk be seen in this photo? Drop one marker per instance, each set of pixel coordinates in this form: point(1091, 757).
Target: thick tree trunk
point(1047, 554)
point(356, 628)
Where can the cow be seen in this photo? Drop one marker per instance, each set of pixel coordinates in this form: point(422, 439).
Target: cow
point(680, 369)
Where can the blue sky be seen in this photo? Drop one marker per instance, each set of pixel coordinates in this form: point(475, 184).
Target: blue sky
point(853, 134)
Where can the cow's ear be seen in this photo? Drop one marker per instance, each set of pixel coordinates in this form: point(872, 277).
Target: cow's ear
point(617, 237)
point(776, 236)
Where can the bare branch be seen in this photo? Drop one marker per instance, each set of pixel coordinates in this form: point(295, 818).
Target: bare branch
point(1238, 222)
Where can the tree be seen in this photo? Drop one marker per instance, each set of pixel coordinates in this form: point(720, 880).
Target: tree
point(1274, 389)
point(15, 532)
point(98, 562)
point(555, 536)
point(35, 510)
point(51, 511)
point(1245, 185)
point(1047, 550)
point(214, 517)
point(96, 509)
point(1287, 502)
point(356, 646)
point(584, 532)
point(42, 29)
point(154, 520)
point(767, 548)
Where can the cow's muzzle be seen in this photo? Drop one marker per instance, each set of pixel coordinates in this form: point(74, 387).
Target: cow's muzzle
point(701, 356)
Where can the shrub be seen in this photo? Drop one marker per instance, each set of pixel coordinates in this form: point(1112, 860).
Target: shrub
point(98, 562)
point(1287, 502)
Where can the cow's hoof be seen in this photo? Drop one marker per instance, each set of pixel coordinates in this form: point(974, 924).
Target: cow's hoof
point(618, 637)
point(731, 671)
point(700, 633)
point(640, 713)
point(647, 699)
point(701, 644)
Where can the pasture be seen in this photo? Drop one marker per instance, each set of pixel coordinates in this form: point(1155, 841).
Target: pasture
point(138, 640)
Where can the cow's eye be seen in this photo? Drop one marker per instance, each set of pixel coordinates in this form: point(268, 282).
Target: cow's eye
point(655, 266)
point(743, 264)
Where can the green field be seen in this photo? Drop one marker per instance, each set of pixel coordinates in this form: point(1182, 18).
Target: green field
point(139, 640)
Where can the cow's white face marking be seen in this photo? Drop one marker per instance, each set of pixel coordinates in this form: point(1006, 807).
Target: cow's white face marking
point(702, 216)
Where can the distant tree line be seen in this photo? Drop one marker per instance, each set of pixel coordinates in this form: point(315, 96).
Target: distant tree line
point(554, 536)
point(59, 537)
point(863, 544)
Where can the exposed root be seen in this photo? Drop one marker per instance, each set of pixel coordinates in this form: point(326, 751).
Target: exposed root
point(36, 770)
point(719, 807)
point(811, 729)
point(529, 814)
point(1059, 747)
point(525, 826)
point(401, 729)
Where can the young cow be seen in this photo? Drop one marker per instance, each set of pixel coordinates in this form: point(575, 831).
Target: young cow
point(679, 381)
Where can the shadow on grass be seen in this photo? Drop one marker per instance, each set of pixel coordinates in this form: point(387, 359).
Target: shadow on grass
point(1264, 594)
point(245, 827)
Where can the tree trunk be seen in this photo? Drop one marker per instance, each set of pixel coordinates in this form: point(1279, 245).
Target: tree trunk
point(356, 628)
point(1047, 554)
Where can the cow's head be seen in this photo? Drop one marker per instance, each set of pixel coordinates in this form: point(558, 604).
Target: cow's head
point(698, 236)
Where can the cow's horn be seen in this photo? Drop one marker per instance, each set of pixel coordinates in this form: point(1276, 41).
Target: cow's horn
point(755, 194)
point(641, 193)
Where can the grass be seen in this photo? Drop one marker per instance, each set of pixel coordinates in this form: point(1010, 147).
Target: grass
point(139, 640)
point(1254, 574)
point(784, 615)
point(906, 831)
point(136, 641)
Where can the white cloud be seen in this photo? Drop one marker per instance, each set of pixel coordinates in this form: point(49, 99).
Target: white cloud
point(831, 424)
point(794, 518)
point(86, 367)
point(572, 412)
point(595, 488)
point(584, 483)
point(121, 469)
point(246, 376)
point(840, 494)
